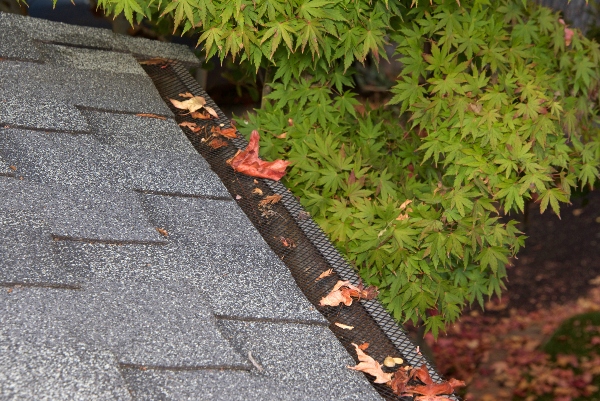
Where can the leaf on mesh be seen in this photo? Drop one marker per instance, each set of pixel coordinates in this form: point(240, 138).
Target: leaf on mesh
point(370, 366)
point(247, 162)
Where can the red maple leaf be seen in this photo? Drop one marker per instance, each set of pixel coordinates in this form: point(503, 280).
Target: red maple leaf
point(247, 162)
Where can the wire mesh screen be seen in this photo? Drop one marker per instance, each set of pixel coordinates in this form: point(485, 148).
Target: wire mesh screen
point(292, 235)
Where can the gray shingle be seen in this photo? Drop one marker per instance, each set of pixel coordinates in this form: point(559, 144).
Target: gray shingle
point(208, 385)
point(26, 251)
point(242, 282)
point(16, 44)
point(60, 371)
point(93, 37)
point(250, 282)
point(99, 214)
point(305, 356)
point(88, 59)
point(97, 89)
point(130, 131)
point(169, 172)
point(202, 221)
point(59, 159)
point(81, 212)
point(42, 113)
point(144, 322)
point(5, 168)
point(18, 194)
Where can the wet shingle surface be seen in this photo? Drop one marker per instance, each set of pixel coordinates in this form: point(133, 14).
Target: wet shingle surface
point(127, 271)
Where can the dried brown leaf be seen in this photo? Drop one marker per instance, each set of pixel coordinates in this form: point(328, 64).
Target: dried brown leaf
point(431, 391)
point(287, 242)
point(162, 231)
point(211, 111)
point(155, 61)
point(225, 132)
point(269, 200)
point(13, 168)
point(344, 326)
point(193, 104)
point(326, 273)
point(150, 115)
point(364, 346)
point(192, 126)
point(344, 291)
point(217, 143)
point(370, 366)
point(247, 162)
point(186, 95)
point(257, 191)
point(200, 115)
point(398, 382)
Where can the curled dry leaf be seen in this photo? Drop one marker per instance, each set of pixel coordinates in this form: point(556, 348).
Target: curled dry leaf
point(287, 242)
point(186, 95)
point(326, 273)
point(344, 291)
point(247, 162)
point(270, 200)
point(155, 61)
point(150, 115)
point(364, 346)
point(13, 168)
point(193, 104)
point(281, 136)
point(399, 381)
point(217, 143)
point(162, 231)
point(192, 126)
point(431, 391)
point(344, 326)
point(211, 111)
point(200, 115)
point(370, 366)
point(257, 191)
point(225, 132)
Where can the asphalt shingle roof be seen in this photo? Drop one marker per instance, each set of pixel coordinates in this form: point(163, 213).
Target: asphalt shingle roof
point(95, 304)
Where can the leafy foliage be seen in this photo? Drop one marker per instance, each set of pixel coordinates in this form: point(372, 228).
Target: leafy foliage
point(491, 110)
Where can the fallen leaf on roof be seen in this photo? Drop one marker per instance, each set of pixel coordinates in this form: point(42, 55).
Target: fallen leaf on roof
point(344, 291)
point(190, 125)
point(398, 382)
point(155, 61)
point(193, 104)
point(186, 95)
point(270, 200)
point(364, 346)
point(217, 143)
point(370, 366)
point(431, 391)
point(237, 197)
point(257, 191)
point(344, 326)
point(211, 111)
point(247, 162)
point(150, 115)
point(226, 132)
point(13, 168)
point(326, 273)
point(200, 115)
point(162, 231)
point(287, 242)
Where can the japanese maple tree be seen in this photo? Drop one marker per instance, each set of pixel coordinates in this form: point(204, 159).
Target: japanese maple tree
point(495, 106)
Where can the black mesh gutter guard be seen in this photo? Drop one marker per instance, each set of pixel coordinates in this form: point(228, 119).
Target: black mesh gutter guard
point(293, 236)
